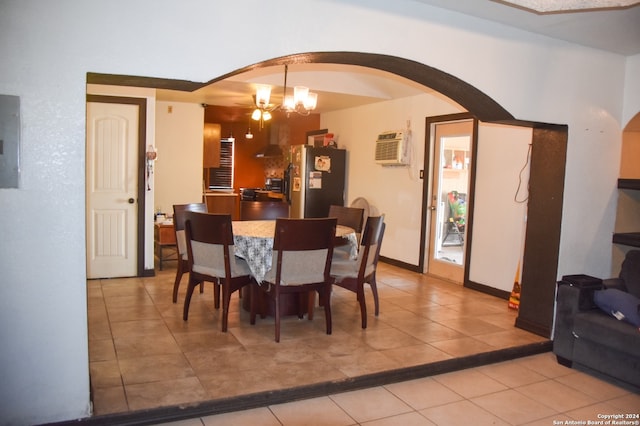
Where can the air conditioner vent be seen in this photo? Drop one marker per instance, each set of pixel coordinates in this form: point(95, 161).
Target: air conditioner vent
point(391, 149)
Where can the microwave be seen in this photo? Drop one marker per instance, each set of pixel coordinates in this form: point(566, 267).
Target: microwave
point(273, 184)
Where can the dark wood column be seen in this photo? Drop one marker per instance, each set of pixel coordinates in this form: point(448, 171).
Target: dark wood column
point(544, 220)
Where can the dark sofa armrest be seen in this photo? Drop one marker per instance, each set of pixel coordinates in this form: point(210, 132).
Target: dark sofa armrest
point(617, 283)
point(570, 300)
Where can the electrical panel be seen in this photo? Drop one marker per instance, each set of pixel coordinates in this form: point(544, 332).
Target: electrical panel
point(9, 141)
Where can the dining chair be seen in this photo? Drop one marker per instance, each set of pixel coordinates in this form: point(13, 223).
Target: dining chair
point(352, 217)
point(301, 264)
point(211, 258)
point(353, 274)
point(179, 214)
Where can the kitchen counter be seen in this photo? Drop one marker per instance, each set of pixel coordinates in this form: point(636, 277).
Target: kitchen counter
point(223, 203)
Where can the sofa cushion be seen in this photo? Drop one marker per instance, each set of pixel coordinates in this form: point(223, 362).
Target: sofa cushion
point(621, 305)
point(599, 327)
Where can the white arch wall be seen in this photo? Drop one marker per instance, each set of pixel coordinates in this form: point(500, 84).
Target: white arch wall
point(48, 47)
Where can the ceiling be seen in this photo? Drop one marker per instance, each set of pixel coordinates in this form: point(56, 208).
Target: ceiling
point(346, 86)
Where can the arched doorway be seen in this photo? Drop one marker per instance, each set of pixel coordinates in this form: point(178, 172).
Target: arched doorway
point(548, 155)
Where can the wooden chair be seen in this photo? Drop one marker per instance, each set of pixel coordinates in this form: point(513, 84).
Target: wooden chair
point(347, 216)
point(353, 274)
point(179, 217)
point(302, 252)
point(211, 258)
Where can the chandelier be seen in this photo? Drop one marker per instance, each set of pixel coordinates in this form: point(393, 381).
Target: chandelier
point(302, 102)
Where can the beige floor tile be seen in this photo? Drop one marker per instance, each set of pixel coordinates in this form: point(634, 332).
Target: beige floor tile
point(626, 403)
point(511, 374)
point(556, 395)
point(105, 374)
point(138, 328)
point(254, 417)
point(229, 383)
point(430, 331)
point(202, 340)
point(155, 368)
point(109, 400)
point(471, 326)
point(462, 347)
point(364, 363)
point(513, 407)
point(545, 364)
point(408, 356)
point(165, 393)
point(461, 413)
point(551, 420)
point(469, 383)
point(135, 322)
point(407, 419)
point(389, 338)
point(311, 412)
point(370, 404)
point(423, 393)
point(591, 412)
point(591, 386)
point(101, 349)
point(306, 373)
point(141, 346)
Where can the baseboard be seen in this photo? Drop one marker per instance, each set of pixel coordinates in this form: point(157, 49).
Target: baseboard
point(400, 264)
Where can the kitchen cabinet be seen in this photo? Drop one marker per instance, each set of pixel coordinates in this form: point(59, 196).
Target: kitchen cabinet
point(211, 145)
point(223, 203)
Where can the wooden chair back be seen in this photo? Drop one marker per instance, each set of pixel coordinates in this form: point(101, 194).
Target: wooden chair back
point(352, 217)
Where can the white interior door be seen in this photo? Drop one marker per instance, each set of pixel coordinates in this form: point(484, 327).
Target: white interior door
point(449, 198)
point(112, 185)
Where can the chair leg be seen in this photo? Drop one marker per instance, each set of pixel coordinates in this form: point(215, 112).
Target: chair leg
point(374, 290)
point(311, 303)
point(277, 317)
point(253, 302)
point(187, 298)
point(363, 305)
point(216, 294)
point(176, 284)
point(226, 300)
point(327, 306)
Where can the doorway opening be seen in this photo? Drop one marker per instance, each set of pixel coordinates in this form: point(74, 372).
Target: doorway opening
point(451, 146)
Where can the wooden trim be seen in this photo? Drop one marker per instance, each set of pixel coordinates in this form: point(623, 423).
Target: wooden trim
point(544, 221)
point(142, 144)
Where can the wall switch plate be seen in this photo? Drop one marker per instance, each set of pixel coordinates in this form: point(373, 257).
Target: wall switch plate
point(9, 141)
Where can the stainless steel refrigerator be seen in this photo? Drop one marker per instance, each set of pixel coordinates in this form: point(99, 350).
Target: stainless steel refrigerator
point(314, 180)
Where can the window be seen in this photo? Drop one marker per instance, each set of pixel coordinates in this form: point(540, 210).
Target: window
point(222, 177)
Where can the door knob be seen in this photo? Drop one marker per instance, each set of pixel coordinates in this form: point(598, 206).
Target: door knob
point(432, 207)
point(131, 201)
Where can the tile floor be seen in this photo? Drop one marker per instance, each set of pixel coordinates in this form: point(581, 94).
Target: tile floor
point(533, 391)
point(144, 356)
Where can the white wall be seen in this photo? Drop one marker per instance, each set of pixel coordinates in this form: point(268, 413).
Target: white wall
point(500, 208)
point(48, 47)
point(178, 169)
point(394, 191)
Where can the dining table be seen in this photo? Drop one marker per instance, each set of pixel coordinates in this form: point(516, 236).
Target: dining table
point(253, 241)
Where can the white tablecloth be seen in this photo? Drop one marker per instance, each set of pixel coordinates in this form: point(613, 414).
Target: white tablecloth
point(253, 240)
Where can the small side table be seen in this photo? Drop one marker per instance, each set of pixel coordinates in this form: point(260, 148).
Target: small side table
point(165, 239)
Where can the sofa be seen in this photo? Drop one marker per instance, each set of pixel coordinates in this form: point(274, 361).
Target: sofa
point(591, 332)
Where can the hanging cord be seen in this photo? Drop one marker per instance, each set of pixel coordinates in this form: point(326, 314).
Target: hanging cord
point(515, 197)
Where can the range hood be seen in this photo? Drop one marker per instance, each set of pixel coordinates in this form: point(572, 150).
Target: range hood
point(273, 149)
point(270, 151)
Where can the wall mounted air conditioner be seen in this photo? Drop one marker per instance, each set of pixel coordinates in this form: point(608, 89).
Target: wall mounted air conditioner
point(391, 149)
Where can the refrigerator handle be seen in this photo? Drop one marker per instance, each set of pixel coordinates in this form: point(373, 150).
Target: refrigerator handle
point(286, 184)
